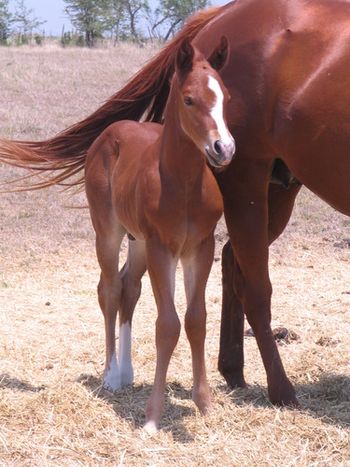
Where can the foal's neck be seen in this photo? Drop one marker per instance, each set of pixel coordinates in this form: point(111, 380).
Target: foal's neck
point(179, 156)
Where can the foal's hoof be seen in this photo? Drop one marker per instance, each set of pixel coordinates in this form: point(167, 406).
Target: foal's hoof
point(151, 427)
point(118, 379)
point(126, 376)
point(204, 407)
point(111, 386)
point(202, 401)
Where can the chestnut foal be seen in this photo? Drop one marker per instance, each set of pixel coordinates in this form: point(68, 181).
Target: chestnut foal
point(153, 182)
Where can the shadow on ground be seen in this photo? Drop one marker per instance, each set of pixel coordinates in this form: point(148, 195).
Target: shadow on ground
point(130, 402)
point(328, 398)
point(8, 382)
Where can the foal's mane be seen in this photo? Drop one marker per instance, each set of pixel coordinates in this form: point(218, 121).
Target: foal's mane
point(144, 96)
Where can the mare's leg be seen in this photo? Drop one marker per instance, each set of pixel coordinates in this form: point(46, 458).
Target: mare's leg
point(231, 358)
point(196, 271)
point(247, 218)
point(131, 275)
point(161, 267)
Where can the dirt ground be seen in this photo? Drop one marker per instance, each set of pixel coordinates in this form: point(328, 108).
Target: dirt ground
point(52, 408)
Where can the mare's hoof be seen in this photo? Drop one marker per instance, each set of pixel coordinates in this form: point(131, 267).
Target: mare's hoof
point(284, 397)
point(233, 379)
point(289, 403)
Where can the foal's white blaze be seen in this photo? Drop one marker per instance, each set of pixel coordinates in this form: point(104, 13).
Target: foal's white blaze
point(217, 111)
point(112, 377)
point(125, 365)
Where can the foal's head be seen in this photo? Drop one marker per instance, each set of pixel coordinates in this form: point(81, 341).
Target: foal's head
point(202, 99)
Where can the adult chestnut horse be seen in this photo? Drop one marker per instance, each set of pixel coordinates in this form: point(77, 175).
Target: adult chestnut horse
point(288, 75)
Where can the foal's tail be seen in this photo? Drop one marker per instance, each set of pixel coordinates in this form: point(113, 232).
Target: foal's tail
point(147, 91)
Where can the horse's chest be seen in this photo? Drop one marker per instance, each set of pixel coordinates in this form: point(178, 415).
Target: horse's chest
point(185, 230)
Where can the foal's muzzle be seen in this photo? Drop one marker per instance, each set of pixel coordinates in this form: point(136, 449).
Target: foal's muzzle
point(220, 153)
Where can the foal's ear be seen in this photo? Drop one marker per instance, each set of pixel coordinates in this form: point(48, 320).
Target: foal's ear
point(218, 58)
point(184, 58)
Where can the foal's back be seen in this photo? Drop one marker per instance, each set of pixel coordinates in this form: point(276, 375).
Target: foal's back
point(119, 149)
point(123, 141)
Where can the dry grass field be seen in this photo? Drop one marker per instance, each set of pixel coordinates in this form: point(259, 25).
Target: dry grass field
point(52, 408)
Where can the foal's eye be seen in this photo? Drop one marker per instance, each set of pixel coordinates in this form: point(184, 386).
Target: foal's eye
point(188, 100)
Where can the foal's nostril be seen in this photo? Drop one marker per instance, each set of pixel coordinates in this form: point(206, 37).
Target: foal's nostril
point(218, 147)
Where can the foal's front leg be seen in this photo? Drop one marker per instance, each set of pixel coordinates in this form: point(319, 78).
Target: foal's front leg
point(196, 271)
point(162, 267)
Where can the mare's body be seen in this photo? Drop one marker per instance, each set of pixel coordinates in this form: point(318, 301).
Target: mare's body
point(288, 75)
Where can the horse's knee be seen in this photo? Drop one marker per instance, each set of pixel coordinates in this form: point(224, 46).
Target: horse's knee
point(109, 293)
point(195, 322)
point(168, 329)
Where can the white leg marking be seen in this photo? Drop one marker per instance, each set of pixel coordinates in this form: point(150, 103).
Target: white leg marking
point(217, 112)
point(125, 364)
point(111, 380)
point(150, 427)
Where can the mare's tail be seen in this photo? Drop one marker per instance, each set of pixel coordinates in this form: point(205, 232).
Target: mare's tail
point(147, 92)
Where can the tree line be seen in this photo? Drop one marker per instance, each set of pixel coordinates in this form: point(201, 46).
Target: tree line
point(118, 20)
point(20, 25)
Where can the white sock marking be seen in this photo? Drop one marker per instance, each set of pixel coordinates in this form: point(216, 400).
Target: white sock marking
point(125, 364)
point(111, 380)
point(151, 427)
point(217, 112)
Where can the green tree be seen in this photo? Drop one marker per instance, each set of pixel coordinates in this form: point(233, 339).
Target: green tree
point(115, 19)
point(171, 15)
point(88, 17)
point(25, 22)
point(133, 11)
point(123, 17)
point(5, 21)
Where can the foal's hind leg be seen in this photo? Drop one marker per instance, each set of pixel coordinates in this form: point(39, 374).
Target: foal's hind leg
point(100, 164)
point(196, 271)
point(131, 275)
point(109, 296)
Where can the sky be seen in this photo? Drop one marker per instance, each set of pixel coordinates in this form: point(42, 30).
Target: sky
point(52, 11)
